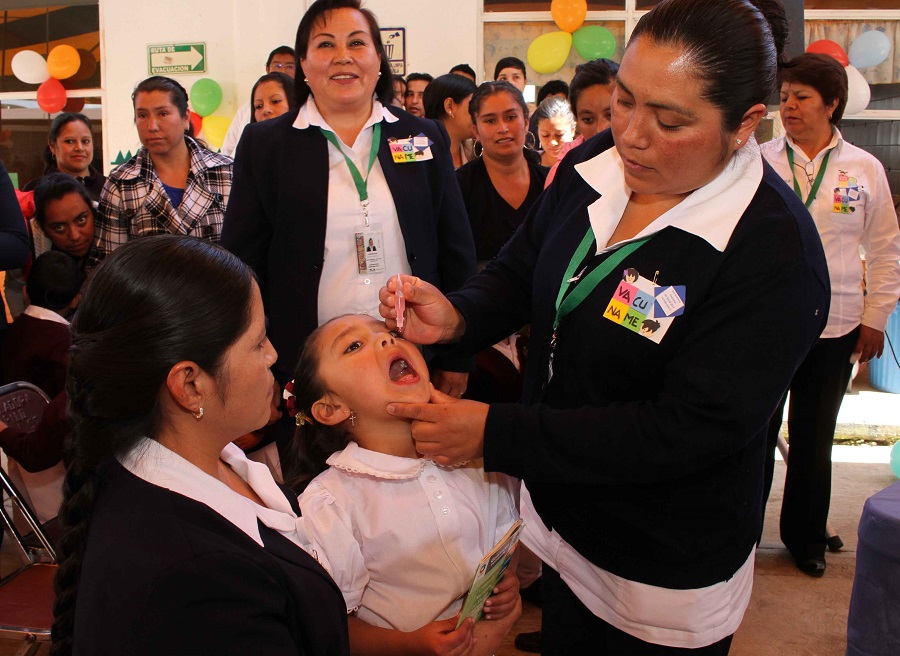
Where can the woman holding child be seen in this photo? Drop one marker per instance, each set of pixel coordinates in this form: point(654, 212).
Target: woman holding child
point(174, 542)
point(641, 439)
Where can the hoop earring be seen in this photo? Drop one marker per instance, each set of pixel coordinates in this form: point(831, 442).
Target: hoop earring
point(477, 148)
point(199, 414)
point(533, 143)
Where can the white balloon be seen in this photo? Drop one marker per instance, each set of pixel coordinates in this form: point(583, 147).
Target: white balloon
point(858, 92)
point(30, 67)
point(869, 49)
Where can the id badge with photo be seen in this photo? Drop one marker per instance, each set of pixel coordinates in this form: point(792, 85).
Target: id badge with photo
point(369, 249)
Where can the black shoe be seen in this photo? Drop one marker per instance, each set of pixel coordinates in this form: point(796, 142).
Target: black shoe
point(530, 642)
point(813, 566)
point(835, 543)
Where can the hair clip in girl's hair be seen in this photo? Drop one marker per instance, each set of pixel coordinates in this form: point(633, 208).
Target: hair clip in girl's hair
point(290, 402)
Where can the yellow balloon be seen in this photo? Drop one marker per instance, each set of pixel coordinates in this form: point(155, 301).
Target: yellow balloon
point(549, 52)
point(568, 14)
point(63, 62)
point(214, 130)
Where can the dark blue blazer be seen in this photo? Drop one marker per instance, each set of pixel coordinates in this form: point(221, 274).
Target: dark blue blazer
point(648, 458)
point(164, 574)
point(276, 218)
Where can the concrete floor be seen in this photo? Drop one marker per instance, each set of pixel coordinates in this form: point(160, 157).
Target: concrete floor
point(790, 614)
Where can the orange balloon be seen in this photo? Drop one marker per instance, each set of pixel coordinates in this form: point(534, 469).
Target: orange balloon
point(568, 14)
point(63, 62)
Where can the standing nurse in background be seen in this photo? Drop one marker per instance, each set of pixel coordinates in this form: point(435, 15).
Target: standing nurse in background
point(847, 193)
point(314, 185)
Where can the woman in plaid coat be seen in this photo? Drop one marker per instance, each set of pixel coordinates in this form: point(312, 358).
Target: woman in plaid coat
point(173, 184)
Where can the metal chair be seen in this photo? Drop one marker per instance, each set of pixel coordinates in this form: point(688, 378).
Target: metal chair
point(22, 406)
point(26, 595)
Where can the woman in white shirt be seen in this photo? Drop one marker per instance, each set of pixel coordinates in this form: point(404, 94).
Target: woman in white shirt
point(314, 185)
point(173, 541)
point(847, 194)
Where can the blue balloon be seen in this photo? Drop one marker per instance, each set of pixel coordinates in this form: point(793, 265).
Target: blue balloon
point(895, 460)
point(870, 49)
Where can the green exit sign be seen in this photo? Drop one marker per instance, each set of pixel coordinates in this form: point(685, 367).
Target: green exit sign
point(172, 58)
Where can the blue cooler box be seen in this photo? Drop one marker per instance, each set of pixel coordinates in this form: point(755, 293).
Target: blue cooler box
point(884, 374)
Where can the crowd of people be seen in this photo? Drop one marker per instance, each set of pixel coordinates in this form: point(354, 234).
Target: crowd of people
point(313, 378)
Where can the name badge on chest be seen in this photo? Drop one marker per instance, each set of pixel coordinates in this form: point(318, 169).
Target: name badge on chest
point(643, 307)
point(411, 149)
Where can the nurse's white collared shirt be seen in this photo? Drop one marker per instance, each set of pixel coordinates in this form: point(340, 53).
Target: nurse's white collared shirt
point(38, 312)
point(152, 462)
point(342, 290)
point(687, 619)
point(854, 213)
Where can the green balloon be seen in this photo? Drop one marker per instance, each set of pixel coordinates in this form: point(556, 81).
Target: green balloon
point(206, 96)
point(593, 42)
point(895, 459)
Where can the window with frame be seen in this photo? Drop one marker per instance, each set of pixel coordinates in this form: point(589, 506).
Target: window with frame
point(40, 27)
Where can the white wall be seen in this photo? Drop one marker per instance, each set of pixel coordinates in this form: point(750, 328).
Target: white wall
point(439, 33)
point(239, 34)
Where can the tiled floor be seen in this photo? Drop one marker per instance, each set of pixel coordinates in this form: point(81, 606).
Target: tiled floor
point(790, 614)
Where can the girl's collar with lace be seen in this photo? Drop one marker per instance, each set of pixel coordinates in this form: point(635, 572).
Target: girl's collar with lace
point(356, 460)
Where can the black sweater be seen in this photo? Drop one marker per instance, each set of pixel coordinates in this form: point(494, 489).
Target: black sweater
point(648, 458)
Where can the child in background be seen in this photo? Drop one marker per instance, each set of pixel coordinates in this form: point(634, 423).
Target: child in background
point(36, 350)
point(400, 535)
point(37, 344)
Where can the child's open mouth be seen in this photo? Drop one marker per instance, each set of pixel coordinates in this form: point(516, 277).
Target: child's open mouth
point(400, 371)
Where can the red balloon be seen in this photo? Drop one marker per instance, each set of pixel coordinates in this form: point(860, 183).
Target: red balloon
point(196, 122)
point(51, 96)
point(830, 48)
point(74, 105)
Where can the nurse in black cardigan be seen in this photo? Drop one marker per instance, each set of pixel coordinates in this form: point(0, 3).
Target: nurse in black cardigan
point(312, 187)
point(174, 542)
point(673, 283)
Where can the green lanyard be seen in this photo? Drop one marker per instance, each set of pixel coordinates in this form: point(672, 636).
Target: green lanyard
point(358, 180)
point(818, 181)
point(583, 287)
